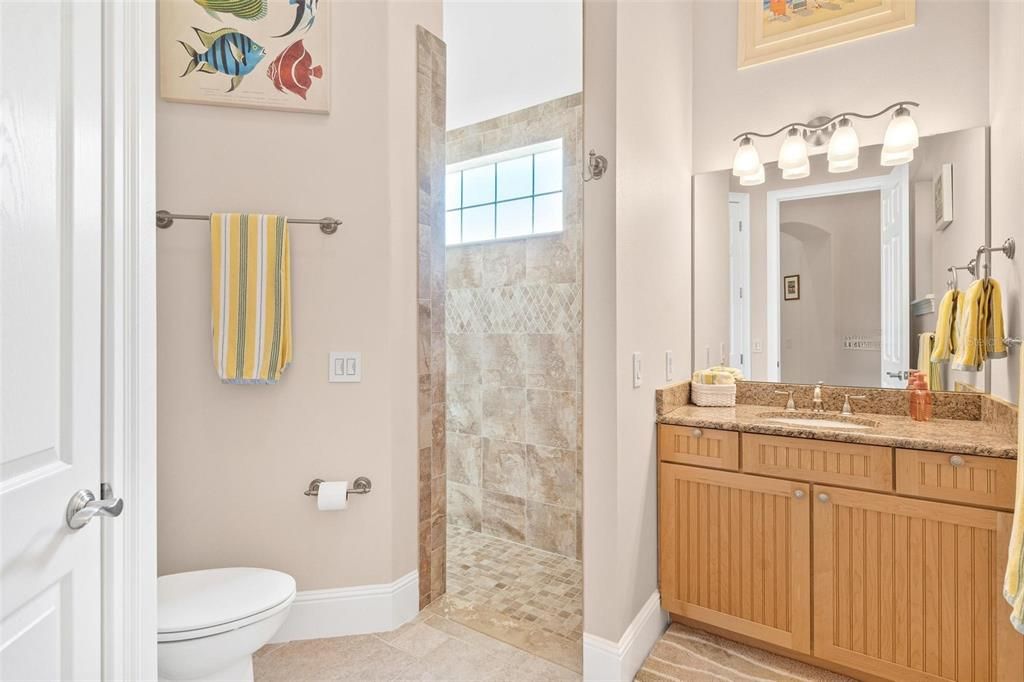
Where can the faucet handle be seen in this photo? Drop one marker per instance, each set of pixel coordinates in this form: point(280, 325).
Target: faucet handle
point(790, 405)
point(847, 409)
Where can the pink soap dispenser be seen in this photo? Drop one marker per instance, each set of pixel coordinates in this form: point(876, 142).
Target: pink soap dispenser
point(920, 397)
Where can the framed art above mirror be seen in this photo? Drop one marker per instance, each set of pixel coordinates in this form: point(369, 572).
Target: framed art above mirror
point(833, 277)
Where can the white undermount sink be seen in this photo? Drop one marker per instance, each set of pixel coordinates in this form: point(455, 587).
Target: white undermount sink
point(818, 421)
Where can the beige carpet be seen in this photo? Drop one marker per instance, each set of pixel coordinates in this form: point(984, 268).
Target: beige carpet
point(695, 656)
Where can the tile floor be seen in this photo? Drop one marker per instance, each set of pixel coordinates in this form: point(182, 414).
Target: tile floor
point(522, 596)
point(431, 647)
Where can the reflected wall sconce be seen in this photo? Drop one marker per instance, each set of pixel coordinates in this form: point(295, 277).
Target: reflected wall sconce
point(901, 139)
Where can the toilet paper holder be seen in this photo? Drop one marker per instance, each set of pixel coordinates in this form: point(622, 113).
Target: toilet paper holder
point(360, 486)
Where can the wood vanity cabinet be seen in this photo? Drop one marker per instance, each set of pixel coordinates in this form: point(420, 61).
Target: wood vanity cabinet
point(872, 581)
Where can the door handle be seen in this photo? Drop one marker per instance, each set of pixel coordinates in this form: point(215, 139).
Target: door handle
point(83, 506)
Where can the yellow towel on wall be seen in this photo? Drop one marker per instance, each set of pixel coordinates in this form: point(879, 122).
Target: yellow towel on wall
point(1013, 590)
point(945, 344)
point(250, 297)
point(932, 370)
point(980, 330)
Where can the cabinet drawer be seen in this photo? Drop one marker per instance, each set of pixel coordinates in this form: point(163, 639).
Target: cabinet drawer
point(702, 447)
point(819, 461)
point(985, 481)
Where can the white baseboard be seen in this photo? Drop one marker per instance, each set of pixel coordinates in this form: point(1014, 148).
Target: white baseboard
point(618, 661)
point(351, 610)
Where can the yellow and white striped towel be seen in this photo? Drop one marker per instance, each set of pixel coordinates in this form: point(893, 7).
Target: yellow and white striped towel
point(250, 296)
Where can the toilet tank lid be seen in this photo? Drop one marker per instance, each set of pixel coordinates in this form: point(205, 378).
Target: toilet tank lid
point(204, 599)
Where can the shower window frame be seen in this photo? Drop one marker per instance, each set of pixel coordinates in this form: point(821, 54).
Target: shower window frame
point(494, 160)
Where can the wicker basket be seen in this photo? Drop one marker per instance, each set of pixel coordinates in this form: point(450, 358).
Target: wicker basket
point(713, 395)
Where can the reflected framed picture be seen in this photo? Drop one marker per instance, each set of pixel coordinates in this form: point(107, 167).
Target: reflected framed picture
point(942, 193)
point(262, 54)
point(776, 29)
point(791, 288)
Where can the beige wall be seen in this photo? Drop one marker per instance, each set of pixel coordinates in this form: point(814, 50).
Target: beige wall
point(636, 287)
point(514, 334)
point(234, 460)
point(1006, 109)
point(941, 62)
point(711, 271)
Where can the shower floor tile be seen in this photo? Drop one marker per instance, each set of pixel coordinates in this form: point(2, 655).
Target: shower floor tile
point(523, 596)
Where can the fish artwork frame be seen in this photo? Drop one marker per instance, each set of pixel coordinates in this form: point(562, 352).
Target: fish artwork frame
point(258, 54)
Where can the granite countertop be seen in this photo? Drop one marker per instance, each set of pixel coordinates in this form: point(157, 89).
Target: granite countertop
point(943, 435)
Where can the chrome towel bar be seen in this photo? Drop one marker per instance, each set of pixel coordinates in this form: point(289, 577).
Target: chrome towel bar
point(360, 486)
point(164, 219)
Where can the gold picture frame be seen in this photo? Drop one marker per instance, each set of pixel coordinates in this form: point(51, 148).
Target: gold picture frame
point(770, 30)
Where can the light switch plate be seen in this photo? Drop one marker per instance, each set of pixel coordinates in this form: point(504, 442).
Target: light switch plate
point(637, 376)
point(669, 371)
point(345, 368)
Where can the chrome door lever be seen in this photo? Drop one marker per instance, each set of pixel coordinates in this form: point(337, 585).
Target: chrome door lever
point(83, 505)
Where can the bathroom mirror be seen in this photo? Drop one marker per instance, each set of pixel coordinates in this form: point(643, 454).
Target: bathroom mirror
point(834, 276)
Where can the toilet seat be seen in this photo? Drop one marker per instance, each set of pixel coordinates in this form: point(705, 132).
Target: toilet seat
point(200, 604)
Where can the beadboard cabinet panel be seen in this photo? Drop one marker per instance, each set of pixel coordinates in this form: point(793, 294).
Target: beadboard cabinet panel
point(700, 447)
point(908, 589)
point(848, 464)
point(735, 553)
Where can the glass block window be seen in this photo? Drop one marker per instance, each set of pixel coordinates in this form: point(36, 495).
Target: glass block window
point(505, 196)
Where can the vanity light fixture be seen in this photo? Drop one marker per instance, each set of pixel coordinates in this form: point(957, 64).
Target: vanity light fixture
point(901, 138)
point(747, 161)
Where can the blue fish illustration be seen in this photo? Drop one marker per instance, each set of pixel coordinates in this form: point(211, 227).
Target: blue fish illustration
point(303, 8)
point(227, 51)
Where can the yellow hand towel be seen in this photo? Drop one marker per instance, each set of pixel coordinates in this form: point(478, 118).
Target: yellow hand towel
point(970, 352)
point(945, 344)
point(995, 334)
point(932, 371)
point(1013, 583)
point(250, 297)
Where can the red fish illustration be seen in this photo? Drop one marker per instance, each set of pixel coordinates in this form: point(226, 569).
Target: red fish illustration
point(293, 70)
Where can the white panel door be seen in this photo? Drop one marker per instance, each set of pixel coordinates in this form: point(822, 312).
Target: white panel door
point(50, 286)
point(895, 301)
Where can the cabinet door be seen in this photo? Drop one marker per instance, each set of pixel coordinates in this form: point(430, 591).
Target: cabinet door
point(735, 553)
point(908, 589)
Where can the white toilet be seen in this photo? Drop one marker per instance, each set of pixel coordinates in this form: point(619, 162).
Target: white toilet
point(210, 622)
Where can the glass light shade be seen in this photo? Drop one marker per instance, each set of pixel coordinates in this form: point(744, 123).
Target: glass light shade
point(896, 158)
point(797, 173)
point(793, 153)
point(901, 135)
point(842, 166)
point(747, 160)
point(755, 178)
point(845, 144)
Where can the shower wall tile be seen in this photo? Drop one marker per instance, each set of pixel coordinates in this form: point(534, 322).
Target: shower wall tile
point(504, 263)
point(465, 459)
point(504, 516)
point(465, 413)
point(504, 413)
point(504, 467)
point(551, 475)
point(464, 358)
point(513, 318)
point(431, 325)
point(551, 418)
point(551, 361)
point(504, 360)
point(464, 505)
point(551, 528)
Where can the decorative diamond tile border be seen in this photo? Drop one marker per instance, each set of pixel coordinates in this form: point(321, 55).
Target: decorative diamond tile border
point(528, 309)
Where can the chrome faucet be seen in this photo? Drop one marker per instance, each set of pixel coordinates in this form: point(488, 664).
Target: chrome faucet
point(790, 405)
point(817, 404)
point(847, 409)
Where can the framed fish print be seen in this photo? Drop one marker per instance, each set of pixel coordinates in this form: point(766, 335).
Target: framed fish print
point(776, 29)
point(264, 54)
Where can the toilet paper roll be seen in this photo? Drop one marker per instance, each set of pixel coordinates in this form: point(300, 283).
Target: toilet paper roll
point(333, 496)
